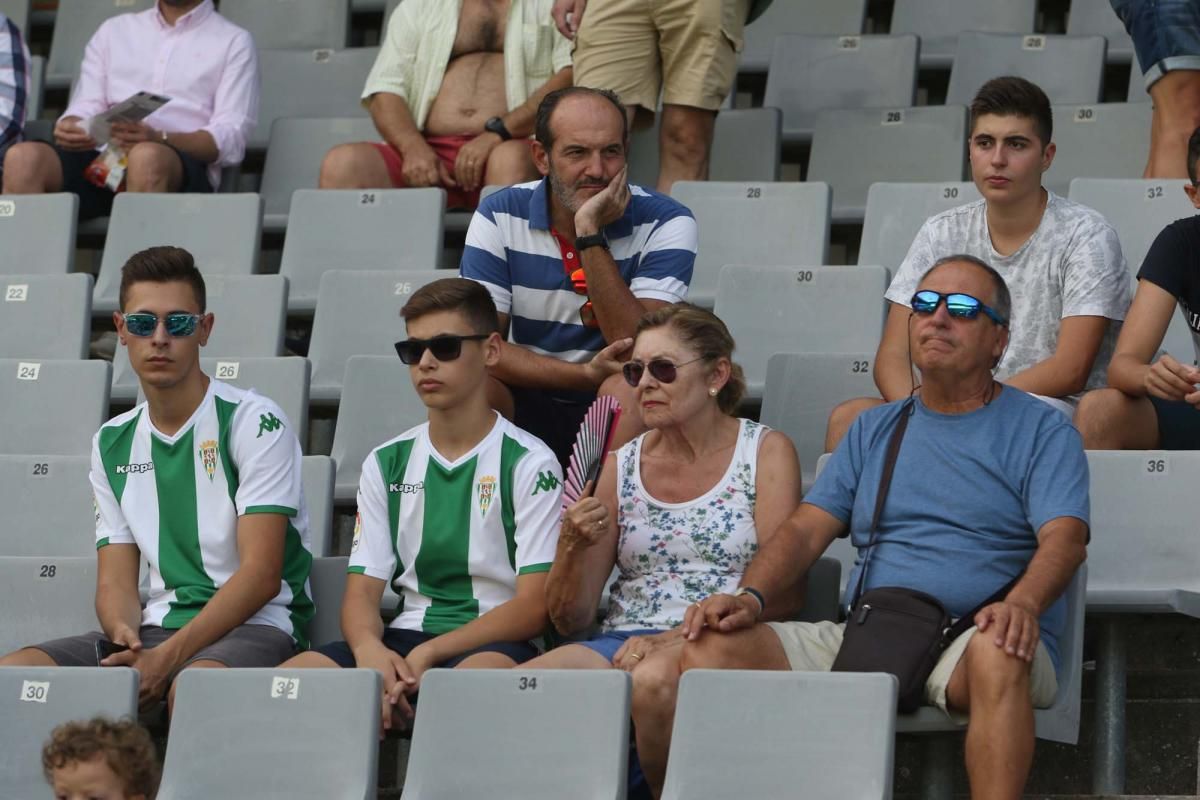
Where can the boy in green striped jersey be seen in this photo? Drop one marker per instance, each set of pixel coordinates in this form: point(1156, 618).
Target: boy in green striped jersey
point(203, 481)
point(459, 514)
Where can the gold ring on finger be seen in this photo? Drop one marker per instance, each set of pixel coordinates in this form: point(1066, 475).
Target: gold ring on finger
point(638, 656)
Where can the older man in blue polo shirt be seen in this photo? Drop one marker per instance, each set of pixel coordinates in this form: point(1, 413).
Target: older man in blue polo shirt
point(572, 262)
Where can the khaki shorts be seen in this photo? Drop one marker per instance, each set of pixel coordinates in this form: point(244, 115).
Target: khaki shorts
point(686, 48)
point(813, 646)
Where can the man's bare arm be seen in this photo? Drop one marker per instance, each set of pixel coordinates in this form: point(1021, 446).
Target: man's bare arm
point(118, 604)
point(520, 366)
point(1066, 372)
point(893, 363)
point(520, 121)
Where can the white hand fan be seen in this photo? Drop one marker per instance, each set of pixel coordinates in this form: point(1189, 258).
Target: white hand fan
point(591, 446)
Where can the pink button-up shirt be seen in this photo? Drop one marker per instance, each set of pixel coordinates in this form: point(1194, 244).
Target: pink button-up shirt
point(207, 66)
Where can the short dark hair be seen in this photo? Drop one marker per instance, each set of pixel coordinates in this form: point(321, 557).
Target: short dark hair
point(1193, 154)
point(1002, 303)
point(550, 102)
point(1011, 96)
point(162, 264)
point(125, 746)
point(465, 296)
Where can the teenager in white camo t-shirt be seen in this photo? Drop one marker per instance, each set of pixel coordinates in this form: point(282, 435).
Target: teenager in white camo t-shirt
point(1062, 262)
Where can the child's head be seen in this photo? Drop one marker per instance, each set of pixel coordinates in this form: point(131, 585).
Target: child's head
point(101, 760)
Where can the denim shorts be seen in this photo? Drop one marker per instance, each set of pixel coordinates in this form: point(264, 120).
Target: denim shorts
point(1178, 424)
point(607, 644)
point(1165, 33)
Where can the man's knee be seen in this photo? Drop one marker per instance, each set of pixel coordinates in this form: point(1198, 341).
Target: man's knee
point(510, 162)
point(153, 164)
point(655, 682)
point(843, 415)
point(29, 167)
point(357, 165)
point(712, 651)
point(992, 674)
point(1097, 410)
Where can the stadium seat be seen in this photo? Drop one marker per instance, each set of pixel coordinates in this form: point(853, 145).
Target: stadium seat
point(854, 148)
point(1097, 18)
point(391, 6)
point(810, 17)
point(939, 22)
point(318, 495)
point(74, 24)
point(530, 733)
point(299, 734)
point(37, 83)
point(812, 73)
point(823, 598)
point(45, 316)
point(328, 582)
point(788, 309)
point(896, 211)
point(1137, 92)
point(46, 597)
point(803, 388)
point(52, 407)
point(220, 230)
point(347, 230)
point(36, 700)
point(18, 12)
point(249, 314)
point(309, 83)
point(378, 403)
point(37, 233)
point(48, 506)
point(785, 732)
point(1105, 140)
point(358, 313)
point(1069, 69)
point(294, 156)
point(292, 24)
point(746, 145)
point(753, 223)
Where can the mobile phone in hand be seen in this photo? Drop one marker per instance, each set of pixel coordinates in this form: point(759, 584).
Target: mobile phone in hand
point(106, 648)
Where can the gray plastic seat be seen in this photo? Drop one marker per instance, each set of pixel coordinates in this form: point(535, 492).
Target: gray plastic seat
point(46, 597)
point(753, 223)
point(36, 700)
point(48, 506)
point(220, 230)
point(853, 148)
point(328, 582)
point(803, 388)
point(291, 24)
point(896, 211)
point(294, 156)
point(1137, 84)
point(37, 84)
point(18, 12)
point(318, 495)
point(1069, 69)
point(346, 230)
point(308, 734)
point(812, 73)
point(799, 309)
point(746, 147)
point(787, 732)
point(378, 404)
point(309, 83)
point(74, 24)
point(939, 22)
point(37, 233)
point(811, 17)
point(31, 302)
point(249, 316)
point(1105, 140)
point(358, 313)
point(531, 734)
point(1097, 18)
point(52, 407)
point(822, 601)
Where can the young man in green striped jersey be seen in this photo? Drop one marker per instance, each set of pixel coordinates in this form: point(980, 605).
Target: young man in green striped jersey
point(459, 514)
point(203, 481)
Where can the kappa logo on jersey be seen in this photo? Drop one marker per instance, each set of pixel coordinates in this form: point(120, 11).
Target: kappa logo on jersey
point(546, 482)
point(96, 509)
point(208, 455)
point(268, 423)
point(128, 469)
point(357, 533)
point(406, 488)
point(486, 488)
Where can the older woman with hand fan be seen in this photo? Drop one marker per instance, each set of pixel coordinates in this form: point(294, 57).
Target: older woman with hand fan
point(679, 512)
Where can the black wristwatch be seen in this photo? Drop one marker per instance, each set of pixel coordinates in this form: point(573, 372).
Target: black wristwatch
point(595, 240)
point(496, 125)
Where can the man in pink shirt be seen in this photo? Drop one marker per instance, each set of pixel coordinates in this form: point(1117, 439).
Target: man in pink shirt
point(181, 49)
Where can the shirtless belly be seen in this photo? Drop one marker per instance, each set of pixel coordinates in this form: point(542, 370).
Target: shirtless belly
point(472, 92)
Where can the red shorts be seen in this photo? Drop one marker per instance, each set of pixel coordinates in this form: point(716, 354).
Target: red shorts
point(446, 148)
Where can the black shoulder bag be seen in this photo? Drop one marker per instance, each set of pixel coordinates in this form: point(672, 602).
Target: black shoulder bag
point(894, 629)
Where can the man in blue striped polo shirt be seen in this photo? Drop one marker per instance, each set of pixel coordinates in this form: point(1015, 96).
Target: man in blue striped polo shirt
point(572, 262)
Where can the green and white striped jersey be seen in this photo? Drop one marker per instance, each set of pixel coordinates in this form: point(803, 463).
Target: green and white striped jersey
point(178, 498)
point(452, 537)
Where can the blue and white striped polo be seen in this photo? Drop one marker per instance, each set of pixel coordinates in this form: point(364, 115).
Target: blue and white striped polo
point(512, 252)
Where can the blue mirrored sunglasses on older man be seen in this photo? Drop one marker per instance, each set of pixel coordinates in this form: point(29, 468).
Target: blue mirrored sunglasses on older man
point(142, 324)
point(960, 305)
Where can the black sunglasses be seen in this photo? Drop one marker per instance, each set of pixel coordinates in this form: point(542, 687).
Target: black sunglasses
point(661, 370)
point(444, 348)
point(960, 305)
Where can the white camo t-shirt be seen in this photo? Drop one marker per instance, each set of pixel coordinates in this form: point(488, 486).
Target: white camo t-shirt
point(1072, 266)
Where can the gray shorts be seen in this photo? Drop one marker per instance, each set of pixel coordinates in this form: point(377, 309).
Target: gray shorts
point(244, 646)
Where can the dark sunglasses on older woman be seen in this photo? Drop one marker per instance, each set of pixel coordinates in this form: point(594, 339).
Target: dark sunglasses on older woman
point(661, 370)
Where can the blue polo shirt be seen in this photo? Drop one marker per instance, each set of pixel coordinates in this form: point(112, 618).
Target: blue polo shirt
point(511, 250)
